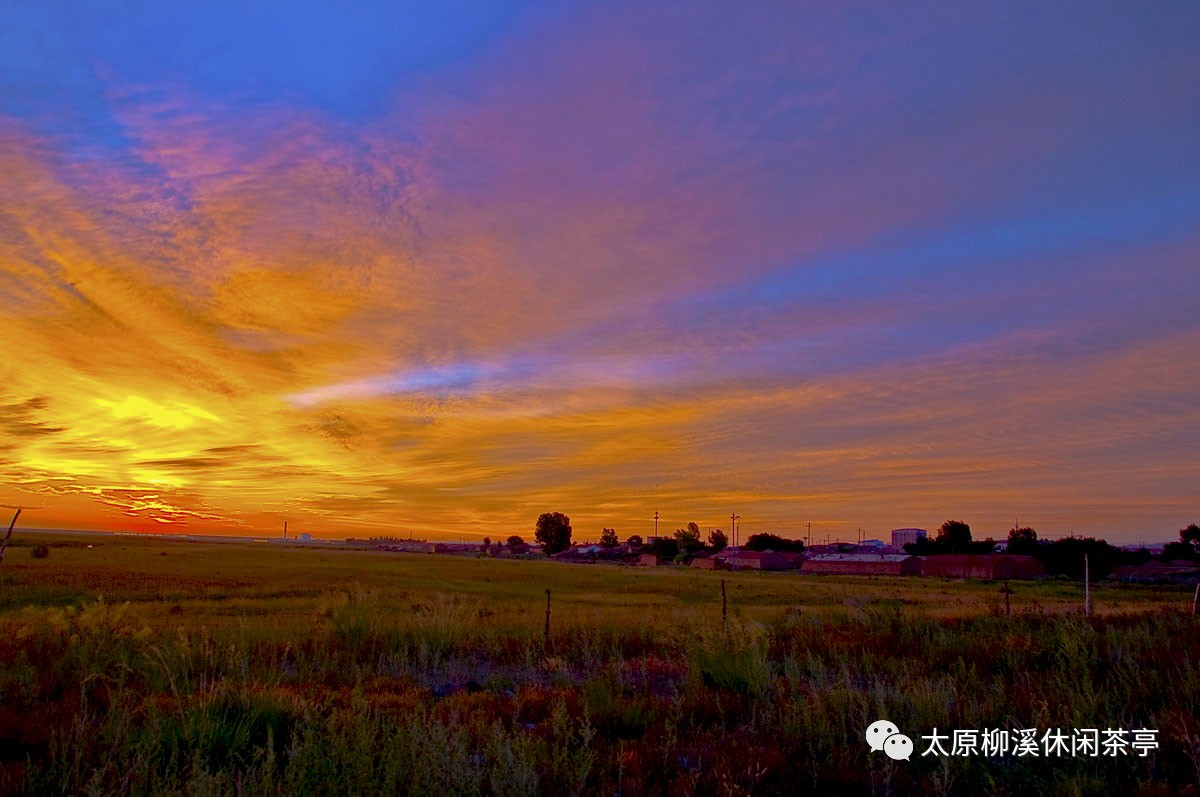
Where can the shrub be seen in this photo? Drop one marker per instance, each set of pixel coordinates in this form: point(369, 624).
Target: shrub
point(40, 552)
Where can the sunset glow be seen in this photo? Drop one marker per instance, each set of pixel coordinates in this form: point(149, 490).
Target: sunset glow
point(438, 268)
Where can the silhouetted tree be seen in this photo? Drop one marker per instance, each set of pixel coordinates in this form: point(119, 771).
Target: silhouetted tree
point(689, 539)
point(634, 541)
point(487, 542)
point(717, 540)
point(514, 541)
point(1191, 536)
point(773, 542)
point(1176, 551)
point(553, 532)
point(1022, 541)
point(954, 535)
point(1065, 557)
point(608, 538)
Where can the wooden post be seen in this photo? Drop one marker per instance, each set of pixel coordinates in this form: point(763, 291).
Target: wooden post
point(1007, 605)
point(1087, 588)
point(724, 604)
point(1195, 598)
point(8, 536)
point(546, 633)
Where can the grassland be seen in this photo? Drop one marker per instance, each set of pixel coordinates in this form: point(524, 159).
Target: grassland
point(152, 666)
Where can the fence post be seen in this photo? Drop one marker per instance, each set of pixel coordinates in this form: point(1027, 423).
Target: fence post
point(546, 633)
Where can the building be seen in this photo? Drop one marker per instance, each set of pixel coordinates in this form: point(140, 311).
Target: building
point(759, 560)
point(411, 546)
point(456, 548)
point(997, 567)
point(864, 564)
point(577, 554)
point(902, 537)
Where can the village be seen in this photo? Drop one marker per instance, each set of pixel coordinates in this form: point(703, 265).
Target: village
point(910, 552)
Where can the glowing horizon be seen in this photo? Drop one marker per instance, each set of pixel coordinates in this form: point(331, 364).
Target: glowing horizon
point(440, 270)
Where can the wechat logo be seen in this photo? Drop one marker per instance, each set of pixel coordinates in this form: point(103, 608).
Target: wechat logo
point(885, 736)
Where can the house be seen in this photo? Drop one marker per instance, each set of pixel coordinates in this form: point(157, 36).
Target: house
point(578, 554)
point(864, 564)
point(648, 560)
point(997, 567)
point(705, 562)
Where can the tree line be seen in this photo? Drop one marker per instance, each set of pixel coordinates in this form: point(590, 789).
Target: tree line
point(554, 533)
point(1060, 557)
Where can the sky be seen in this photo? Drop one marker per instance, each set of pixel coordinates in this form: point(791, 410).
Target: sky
point(436, 268)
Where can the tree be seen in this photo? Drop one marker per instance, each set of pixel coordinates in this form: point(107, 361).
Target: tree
point(1022, 541)
point(1188, 547)
point(954, 535)
point(608, 538)
point(689, 539)
point(515, 541)
point(717, 540)
point(553, 532)
point(1191, 536)
point(773, 542)
point(487, 542)
point(1180, 551)
point(1065, 557)
point(634, 541)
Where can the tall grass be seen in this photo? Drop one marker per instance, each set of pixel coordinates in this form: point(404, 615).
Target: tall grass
point(452, 692)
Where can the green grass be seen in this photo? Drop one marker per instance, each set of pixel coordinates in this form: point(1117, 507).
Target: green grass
point(153, 666)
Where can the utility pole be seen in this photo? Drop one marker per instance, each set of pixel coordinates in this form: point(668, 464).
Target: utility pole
point(8, 536)
point(655, 524)
point(285, 529)
point(733, 519)
point(808, 536)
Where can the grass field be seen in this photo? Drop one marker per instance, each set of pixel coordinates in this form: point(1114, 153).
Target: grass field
point(134, 665)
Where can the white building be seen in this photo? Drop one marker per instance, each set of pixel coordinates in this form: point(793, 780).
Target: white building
point(902, 537)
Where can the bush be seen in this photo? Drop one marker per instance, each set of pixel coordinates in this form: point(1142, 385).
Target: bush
point(40, 552)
